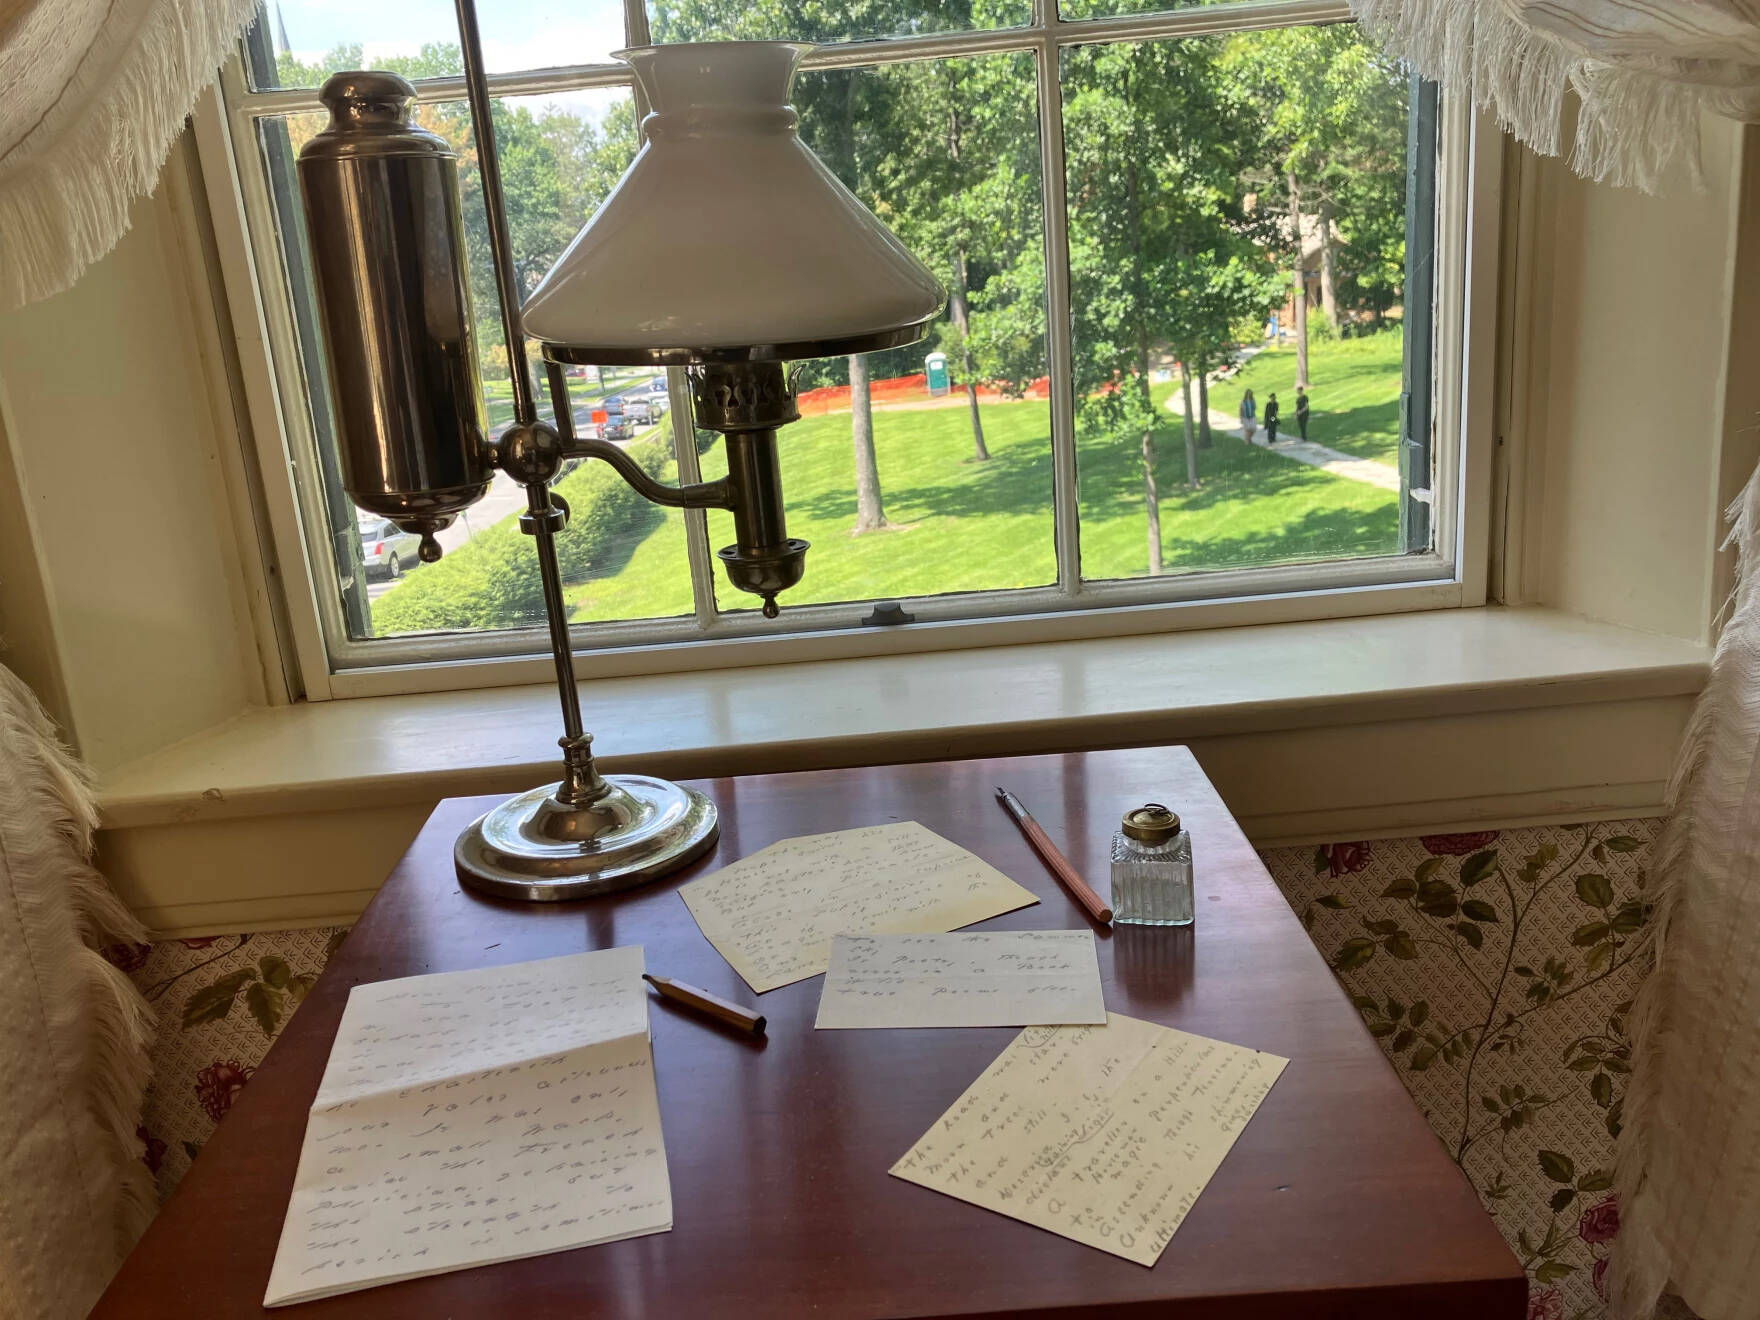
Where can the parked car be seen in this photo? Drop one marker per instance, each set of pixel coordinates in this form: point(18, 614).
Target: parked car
point(386, 549)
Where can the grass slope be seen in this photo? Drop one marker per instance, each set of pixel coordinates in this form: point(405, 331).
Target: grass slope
point(963, 526)
point(1353, 393)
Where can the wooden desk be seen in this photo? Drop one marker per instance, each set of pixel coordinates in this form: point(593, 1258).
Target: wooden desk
point(1336, 1201)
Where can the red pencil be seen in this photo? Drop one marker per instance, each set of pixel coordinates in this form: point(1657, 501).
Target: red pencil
point(1056, 861)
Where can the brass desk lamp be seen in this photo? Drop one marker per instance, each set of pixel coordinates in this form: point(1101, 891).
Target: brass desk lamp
point(726, 248)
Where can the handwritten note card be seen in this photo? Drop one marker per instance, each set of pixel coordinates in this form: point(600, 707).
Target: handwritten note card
point(773, 914)
point(1013, 978)
point(469, 1117)
point(1102, 1134)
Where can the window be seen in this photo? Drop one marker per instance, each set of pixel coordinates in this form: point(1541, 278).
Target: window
point(1204, 340)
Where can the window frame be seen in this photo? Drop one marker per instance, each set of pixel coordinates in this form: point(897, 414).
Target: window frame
point(325, 663)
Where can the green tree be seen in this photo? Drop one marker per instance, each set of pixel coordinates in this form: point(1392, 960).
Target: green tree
point(1160, 241)
point(433, 60)
point(1334, 158)
point(970, 208)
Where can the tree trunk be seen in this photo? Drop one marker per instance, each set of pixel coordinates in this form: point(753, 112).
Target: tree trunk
point(1185, 389)
point(1301, 289)
point(1151, 502)
point(1328, 267)
point(979, 453)
point(956, 312)
point(1204, 436)
point(956, 302)
point(870, 517)
point(1151, 499)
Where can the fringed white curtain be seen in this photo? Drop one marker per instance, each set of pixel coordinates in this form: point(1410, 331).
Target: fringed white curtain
point(1643, 70)
point(74, 1035)
point(1688, 1169)
point(92, 94)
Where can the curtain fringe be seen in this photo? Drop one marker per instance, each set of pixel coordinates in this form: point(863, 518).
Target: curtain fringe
point(67, 205)
point(1633, 125)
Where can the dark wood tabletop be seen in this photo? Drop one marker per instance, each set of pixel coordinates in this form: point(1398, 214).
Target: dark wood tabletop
point(1336, 1200)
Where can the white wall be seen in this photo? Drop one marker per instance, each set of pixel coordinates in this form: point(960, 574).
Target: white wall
point(107, 405)
point(1628, 400)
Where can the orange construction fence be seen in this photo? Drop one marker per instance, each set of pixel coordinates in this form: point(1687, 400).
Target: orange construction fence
point(912, 389)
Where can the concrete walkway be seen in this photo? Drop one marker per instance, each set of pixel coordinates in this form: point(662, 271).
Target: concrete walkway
point(1330, 460)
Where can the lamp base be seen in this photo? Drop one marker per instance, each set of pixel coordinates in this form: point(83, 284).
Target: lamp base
point(537, 848)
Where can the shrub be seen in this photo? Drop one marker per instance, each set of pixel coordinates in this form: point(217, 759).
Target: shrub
point(491, 581)
point(601, 507)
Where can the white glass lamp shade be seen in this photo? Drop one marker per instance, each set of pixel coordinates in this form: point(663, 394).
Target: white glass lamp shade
point(727, 239)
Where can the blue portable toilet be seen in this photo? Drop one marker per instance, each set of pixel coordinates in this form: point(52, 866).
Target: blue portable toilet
point(935, 367)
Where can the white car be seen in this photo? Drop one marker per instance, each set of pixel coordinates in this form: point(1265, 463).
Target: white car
point(387, 550)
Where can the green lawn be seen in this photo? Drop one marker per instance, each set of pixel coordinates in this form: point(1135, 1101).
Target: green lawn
point(967, 526)
point(1353, 393)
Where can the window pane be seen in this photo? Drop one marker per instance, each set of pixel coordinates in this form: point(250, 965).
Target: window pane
point(299, 43)
point(1202, 175)
point(943, 485)
point(817, 20)
point(560, 155)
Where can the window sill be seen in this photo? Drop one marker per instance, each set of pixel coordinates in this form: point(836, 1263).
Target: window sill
point(402, 750)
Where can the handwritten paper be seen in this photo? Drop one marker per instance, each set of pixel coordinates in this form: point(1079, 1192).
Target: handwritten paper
point(1104, 1134)
point(773, 914)
point(1014, 978)
point(470, 1117)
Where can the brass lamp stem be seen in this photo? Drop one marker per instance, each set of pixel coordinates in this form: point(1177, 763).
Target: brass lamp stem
point(500, 242)
point(522, 450)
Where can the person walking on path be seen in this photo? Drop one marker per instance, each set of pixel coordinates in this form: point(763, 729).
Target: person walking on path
point(1302, 412)
point(1270, 419)
point(1249, 416)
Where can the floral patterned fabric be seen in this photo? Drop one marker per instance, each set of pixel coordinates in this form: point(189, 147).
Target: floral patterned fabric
point(221, 1000)
point(1495, 969)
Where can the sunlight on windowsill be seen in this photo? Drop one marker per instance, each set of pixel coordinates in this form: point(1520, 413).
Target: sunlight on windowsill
point(384, 751)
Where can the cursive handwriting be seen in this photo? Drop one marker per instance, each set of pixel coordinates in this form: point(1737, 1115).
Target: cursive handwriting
point(1104, 1134)
point(975, 979)
point(468, 1117)
point(773, 914)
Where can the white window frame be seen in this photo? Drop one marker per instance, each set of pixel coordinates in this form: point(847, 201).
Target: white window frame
point(326, 664)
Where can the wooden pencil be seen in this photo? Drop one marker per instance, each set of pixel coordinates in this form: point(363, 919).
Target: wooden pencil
point(1055, 860)
point(711, 1005)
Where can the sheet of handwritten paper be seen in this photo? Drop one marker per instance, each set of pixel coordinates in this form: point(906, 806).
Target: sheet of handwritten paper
point(772, 915)
point(1010, 978)
point(470, 1117)
point(1102, 1134)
